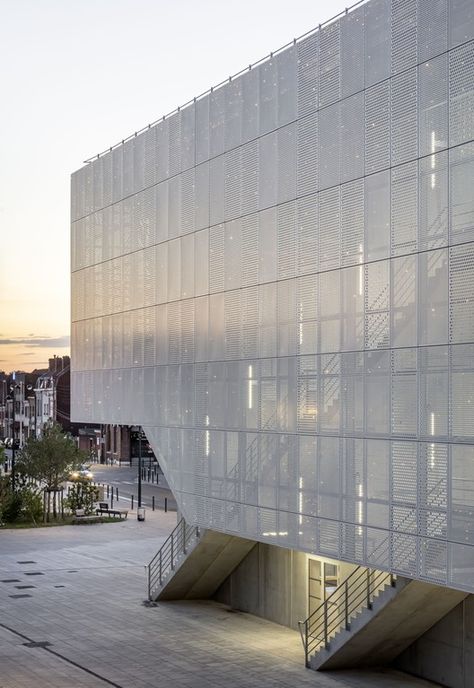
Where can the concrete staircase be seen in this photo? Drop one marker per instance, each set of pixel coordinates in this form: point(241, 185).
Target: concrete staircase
point(371, 618)
point(193, 563)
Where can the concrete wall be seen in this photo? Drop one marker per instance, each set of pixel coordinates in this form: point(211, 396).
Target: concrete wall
point(272, 582)
point(445, 653)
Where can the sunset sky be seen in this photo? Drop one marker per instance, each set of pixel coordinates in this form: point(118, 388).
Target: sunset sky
point(79, 75)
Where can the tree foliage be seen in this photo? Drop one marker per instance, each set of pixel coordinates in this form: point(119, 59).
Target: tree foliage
point(82, 495)
point(50, 458)
point(23, 504)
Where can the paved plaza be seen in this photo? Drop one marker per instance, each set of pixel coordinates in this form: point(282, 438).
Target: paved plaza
point(72, 616)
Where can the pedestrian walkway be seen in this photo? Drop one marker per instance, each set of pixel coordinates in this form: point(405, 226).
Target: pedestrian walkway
point(72, 615)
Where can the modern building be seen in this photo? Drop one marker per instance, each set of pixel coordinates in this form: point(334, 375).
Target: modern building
point(277, 282)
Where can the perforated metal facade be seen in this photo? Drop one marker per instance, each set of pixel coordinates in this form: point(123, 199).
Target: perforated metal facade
point(277, 282)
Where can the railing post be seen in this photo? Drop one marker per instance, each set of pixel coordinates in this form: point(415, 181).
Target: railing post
point(306, 642)
point(149, 582)
point(369, 603)
point(172, 551)
point(326, 625)
point(184, 535)
point(161, 571)
point(346, 605)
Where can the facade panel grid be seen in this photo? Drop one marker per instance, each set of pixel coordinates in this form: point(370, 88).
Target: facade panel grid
point(277, 283)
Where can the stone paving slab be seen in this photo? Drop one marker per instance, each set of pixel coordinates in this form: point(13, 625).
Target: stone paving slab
point(97, 622)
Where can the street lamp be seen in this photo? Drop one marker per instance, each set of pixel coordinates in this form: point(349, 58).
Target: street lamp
point(13, 389)
point(140, 468)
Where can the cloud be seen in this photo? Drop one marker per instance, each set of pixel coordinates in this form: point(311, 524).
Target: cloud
point(36, 341)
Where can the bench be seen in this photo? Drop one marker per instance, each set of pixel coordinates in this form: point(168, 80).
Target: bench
point(81, 517)
point(104, 509)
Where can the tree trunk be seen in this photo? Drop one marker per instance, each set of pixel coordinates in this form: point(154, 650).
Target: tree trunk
point(55, 511)
point(44, 505)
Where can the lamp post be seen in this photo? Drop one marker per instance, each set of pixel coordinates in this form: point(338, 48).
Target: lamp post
point(13, 466)
point(140, 468)
point(13, 390)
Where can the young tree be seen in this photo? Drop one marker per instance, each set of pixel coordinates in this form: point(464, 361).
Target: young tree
point(50, 459)
point(2, 458)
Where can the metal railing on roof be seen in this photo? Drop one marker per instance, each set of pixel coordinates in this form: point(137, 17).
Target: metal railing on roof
point(226, 81)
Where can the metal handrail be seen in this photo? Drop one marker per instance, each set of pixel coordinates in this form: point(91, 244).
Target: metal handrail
point(226, 81)
point(354, 593)
point(169, 554)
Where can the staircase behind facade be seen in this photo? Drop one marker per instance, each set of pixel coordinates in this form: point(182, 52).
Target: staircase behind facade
point(371, 617)
point(341, 608)
point(171, 554)
point(192, 563)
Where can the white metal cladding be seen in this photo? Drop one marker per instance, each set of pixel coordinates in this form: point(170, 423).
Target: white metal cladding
point(278, 283)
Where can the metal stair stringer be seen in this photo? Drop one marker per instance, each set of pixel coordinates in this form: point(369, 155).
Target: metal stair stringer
point(399, 613)
point(193, 563)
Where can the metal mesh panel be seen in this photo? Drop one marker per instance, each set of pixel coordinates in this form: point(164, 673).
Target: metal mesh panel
point(307, 158)
point(461, 161)
point(250, 250)
point(377, 127)
point(403, 297)
point(352, 52)
point(329, 64)
point(461, 286)
point(329, 229)
point(286, 240)
point(287, 87)
point(432, 28)
point(377, 325)
point(232, 310)
point(308, 74)
point(268, 96)
point(216, 122)
point(404, 397)
point(403, 111)
point(307, 315)
point(138, 163)
point(461, 22)
point(404, 209)
point(233, 114)
point(461, 94)
point(308, 235)
point(250, 322)
point(286, 182)
point(462, 381)
point(250, 176)
point(352, 223)
point(216, 253)
point(329, 146)
point(202, 129)
point(403, 34)
point(433, 113)
point(377, 41)
point(352, 137)
point(232, 184)
point(250, 105)
point(433, 201)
